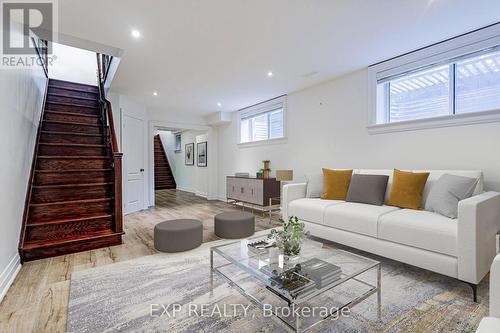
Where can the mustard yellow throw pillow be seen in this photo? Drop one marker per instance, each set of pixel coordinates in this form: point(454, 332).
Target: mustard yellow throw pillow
point(407, 189)
point(336, 184)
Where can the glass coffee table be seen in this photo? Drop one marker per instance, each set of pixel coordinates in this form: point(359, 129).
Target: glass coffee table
point(298, 282)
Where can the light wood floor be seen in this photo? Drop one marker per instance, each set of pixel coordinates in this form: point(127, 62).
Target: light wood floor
point(38, 299)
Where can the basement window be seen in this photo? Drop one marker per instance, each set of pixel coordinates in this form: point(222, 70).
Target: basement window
point(441, 85)
point(263, 122)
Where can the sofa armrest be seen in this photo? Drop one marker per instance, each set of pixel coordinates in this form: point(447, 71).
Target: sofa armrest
point(495, 288)
point(478, 224)
point(291, 192)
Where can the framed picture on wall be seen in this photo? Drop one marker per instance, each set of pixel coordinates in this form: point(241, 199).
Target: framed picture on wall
point(202, 154)
point(189, 154)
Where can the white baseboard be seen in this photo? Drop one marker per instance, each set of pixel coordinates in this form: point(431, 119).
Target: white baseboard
point(185, 189)
point(9, 274)
point(201, 194)
point(195, 192)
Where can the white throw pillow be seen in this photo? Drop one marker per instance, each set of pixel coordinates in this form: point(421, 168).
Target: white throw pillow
point(447, 192)
point(314, 185)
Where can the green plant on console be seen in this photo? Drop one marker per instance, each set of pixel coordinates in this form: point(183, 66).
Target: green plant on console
point(291, 237)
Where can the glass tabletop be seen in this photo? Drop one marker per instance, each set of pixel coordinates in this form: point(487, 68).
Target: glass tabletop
point(318, 268)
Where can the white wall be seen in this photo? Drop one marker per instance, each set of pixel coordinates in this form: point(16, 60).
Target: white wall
point(73, 64)
point(21, 98)
point(189, 178)
point(326, 127)
point(122, 105)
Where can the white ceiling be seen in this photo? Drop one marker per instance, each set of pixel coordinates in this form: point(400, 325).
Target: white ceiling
point(197, 53)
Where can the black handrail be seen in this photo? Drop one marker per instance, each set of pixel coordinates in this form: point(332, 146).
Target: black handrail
point(41, 48)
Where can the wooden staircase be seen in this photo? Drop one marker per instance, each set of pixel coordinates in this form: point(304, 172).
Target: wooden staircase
point(73, 201)
point(164, 178)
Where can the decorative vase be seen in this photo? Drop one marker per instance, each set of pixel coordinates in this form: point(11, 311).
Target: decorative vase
point(291, 260)
point(266, 174)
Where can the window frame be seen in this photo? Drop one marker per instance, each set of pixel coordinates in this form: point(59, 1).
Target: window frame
point(265, 107)
point(178, 136)
point(447, 52)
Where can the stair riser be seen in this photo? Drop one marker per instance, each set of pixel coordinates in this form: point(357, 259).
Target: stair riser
point(70, 151)
point(69, 138)
point(71, 128)
point(72, 118)
point(73, 178)
point(61, 249)
point(72, 109)
point(72, 93)
point(80, 87)
point(68, 164)
point(68, 210)
point(43, 195)
point(70, 100)
point(69, 229)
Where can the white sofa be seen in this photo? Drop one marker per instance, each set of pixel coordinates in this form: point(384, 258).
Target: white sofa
point(463, 248)
point(491, 324)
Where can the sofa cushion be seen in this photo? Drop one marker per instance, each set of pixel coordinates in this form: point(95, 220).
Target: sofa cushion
point(314, 185)
point(368, 189)
point(447, 192)
point(310, 209)
point(421, 229)
point(336, 184)
point(356, 217)
point(436, 174)
point(407, 189)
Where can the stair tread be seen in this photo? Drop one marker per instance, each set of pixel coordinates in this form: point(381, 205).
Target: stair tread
point(54, 242)
point(74, 89)
point(64, 113)
point(73, 170)
point(69, 220)
point(70, 123)
point(71, 185)
point(71, 133)
point(73, 83)
point(73, 104)
point(70, 202)
point(74, 157)
point(72, 96)
point(73, 144)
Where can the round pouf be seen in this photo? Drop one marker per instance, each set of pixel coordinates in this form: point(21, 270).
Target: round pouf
point(178, 235)
point(234, 224)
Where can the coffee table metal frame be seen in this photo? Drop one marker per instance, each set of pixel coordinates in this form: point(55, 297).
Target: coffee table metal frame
point(297, 327)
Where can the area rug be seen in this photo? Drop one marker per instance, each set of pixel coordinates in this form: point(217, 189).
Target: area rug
point(140, 295)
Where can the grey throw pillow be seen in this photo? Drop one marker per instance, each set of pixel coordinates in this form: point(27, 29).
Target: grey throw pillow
point(368, 189)
point(447, 192)
point(314, 185)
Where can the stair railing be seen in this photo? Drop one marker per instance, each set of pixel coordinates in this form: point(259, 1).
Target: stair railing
point(106, 112)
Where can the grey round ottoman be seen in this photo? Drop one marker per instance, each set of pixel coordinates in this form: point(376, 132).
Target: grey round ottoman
point(178, 235)
point(234, 224)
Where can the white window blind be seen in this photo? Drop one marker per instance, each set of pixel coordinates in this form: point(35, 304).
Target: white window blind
point(263, 121)
point(454, 82)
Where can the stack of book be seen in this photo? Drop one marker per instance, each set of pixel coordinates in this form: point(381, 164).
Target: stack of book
point(321, 272)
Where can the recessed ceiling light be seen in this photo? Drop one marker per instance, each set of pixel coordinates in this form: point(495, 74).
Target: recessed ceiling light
point(219, 104)
point(270, 74)
point(135, 33)
point(155, 93)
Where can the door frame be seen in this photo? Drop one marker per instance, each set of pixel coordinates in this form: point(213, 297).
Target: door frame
point(212, 152)
point(125, 174)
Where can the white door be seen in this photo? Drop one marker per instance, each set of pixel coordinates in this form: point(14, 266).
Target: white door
point(133, 156)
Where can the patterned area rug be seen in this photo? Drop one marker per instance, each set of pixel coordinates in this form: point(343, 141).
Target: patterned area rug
point(123, 296)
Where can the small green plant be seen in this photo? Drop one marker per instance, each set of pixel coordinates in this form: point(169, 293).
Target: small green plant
point(266, 161)
point(291, 237)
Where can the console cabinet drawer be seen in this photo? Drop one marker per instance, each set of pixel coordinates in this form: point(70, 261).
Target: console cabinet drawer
point(256, 191)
